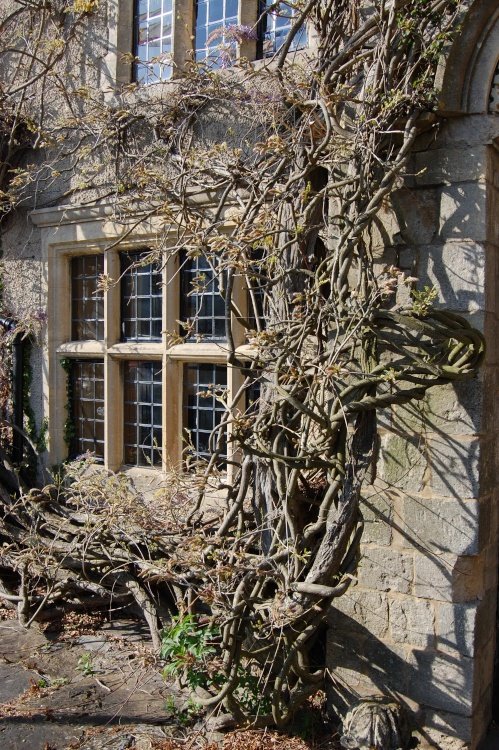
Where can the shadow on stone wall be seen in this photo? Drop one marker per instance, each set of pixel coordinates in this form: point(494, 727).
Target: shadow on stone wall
point(362, 665)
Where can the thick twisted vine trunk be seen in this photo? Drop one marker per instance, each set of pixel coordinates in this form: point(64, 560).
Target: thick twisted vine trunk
point(319, 143)
point(267, 579)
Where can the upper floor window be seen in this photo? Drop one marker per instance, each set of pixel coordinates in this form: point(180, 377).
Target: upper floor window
point(153, 31)
point(163, 28)
point(213, 18)
point(276, 21)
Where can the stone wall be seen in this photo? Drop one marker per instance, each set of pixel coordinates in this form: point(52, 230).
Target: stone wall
point(23, 273)
point(419, 620)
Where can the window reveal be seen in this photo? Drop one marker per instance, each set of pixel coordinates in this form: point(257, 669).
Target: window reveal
point(87, 301)
point(142, 413)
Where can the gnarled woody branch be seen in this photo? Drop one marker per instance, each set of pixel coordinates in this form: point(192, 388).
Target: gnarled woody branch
point(314, 150)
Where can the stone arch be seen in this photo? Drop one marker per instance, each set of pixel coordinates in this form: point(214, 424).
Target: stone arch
point(470, 75)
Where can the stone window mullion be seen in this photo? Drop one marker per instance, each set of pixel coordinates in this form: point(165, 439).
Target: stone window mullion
point(182, 35)
point(113, 409)
point(112, 298)
point(248, 16)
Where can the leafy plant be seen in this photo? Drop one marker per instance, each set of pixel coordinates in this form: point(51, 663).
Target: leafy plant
point(250, 693)
point(187, 646)
point(422, 299)
point(85, 665)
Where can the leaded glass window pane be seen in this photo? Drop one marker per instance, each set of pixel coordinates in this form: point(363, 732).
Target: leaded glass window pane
point(153, 40)
point(87, 300)
point(202, 305)
point(142, 413)
point(87, 407)
point(205, 387)
point(141, 299)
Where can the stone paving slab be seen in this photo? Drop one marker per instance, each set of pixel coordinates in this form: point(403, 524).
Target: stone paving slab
point(54, 692)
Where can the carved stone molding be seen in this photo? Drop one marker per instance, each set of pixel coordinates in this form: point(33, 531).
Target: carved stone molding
point(469, 74)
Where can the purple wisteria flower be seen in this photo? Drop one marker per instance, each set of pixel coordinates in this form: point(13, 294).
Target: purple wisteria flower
point(240, 32)
point(234, 32)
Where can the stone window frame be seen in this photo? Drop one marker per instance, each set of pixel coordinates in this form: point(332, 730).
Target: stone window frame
point(71, 232)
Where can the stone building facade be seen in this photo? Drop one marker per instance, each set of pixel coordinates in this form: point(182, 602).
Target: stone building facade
point(420, 621)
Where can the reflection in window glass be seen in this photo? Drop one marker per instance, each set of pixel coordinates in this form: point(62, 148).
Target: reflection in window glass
point(275, 26)
point(202, 305)
point(212, 17)
point(142, 413)
point(87, 408)
point(205, 387)
point(87, 301)
point(153, 40)
point(141, 299)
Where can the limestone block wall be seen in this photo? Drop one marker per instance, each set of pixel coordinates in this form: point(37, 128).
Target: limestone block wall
point(23, 273)
point(419, 621)
point(23, 290)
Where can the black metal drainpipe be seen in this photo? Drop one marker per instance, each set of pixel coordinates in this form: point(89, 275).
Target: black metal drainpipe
point(17, 389)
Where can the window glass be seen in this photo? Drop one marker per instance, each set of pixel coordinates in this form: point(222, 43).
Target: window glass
point(202, 306)
point(87, 408)
point(142, 413)
point(275, 26)
point(205, 387)
point(253, 397)
point(211, 42)
point(87, 301)
point(153, 40)
point(141, 299)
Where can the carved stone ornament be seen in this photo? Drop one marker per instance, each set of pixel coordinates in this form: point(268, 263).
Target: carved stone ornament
point(376, 724)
